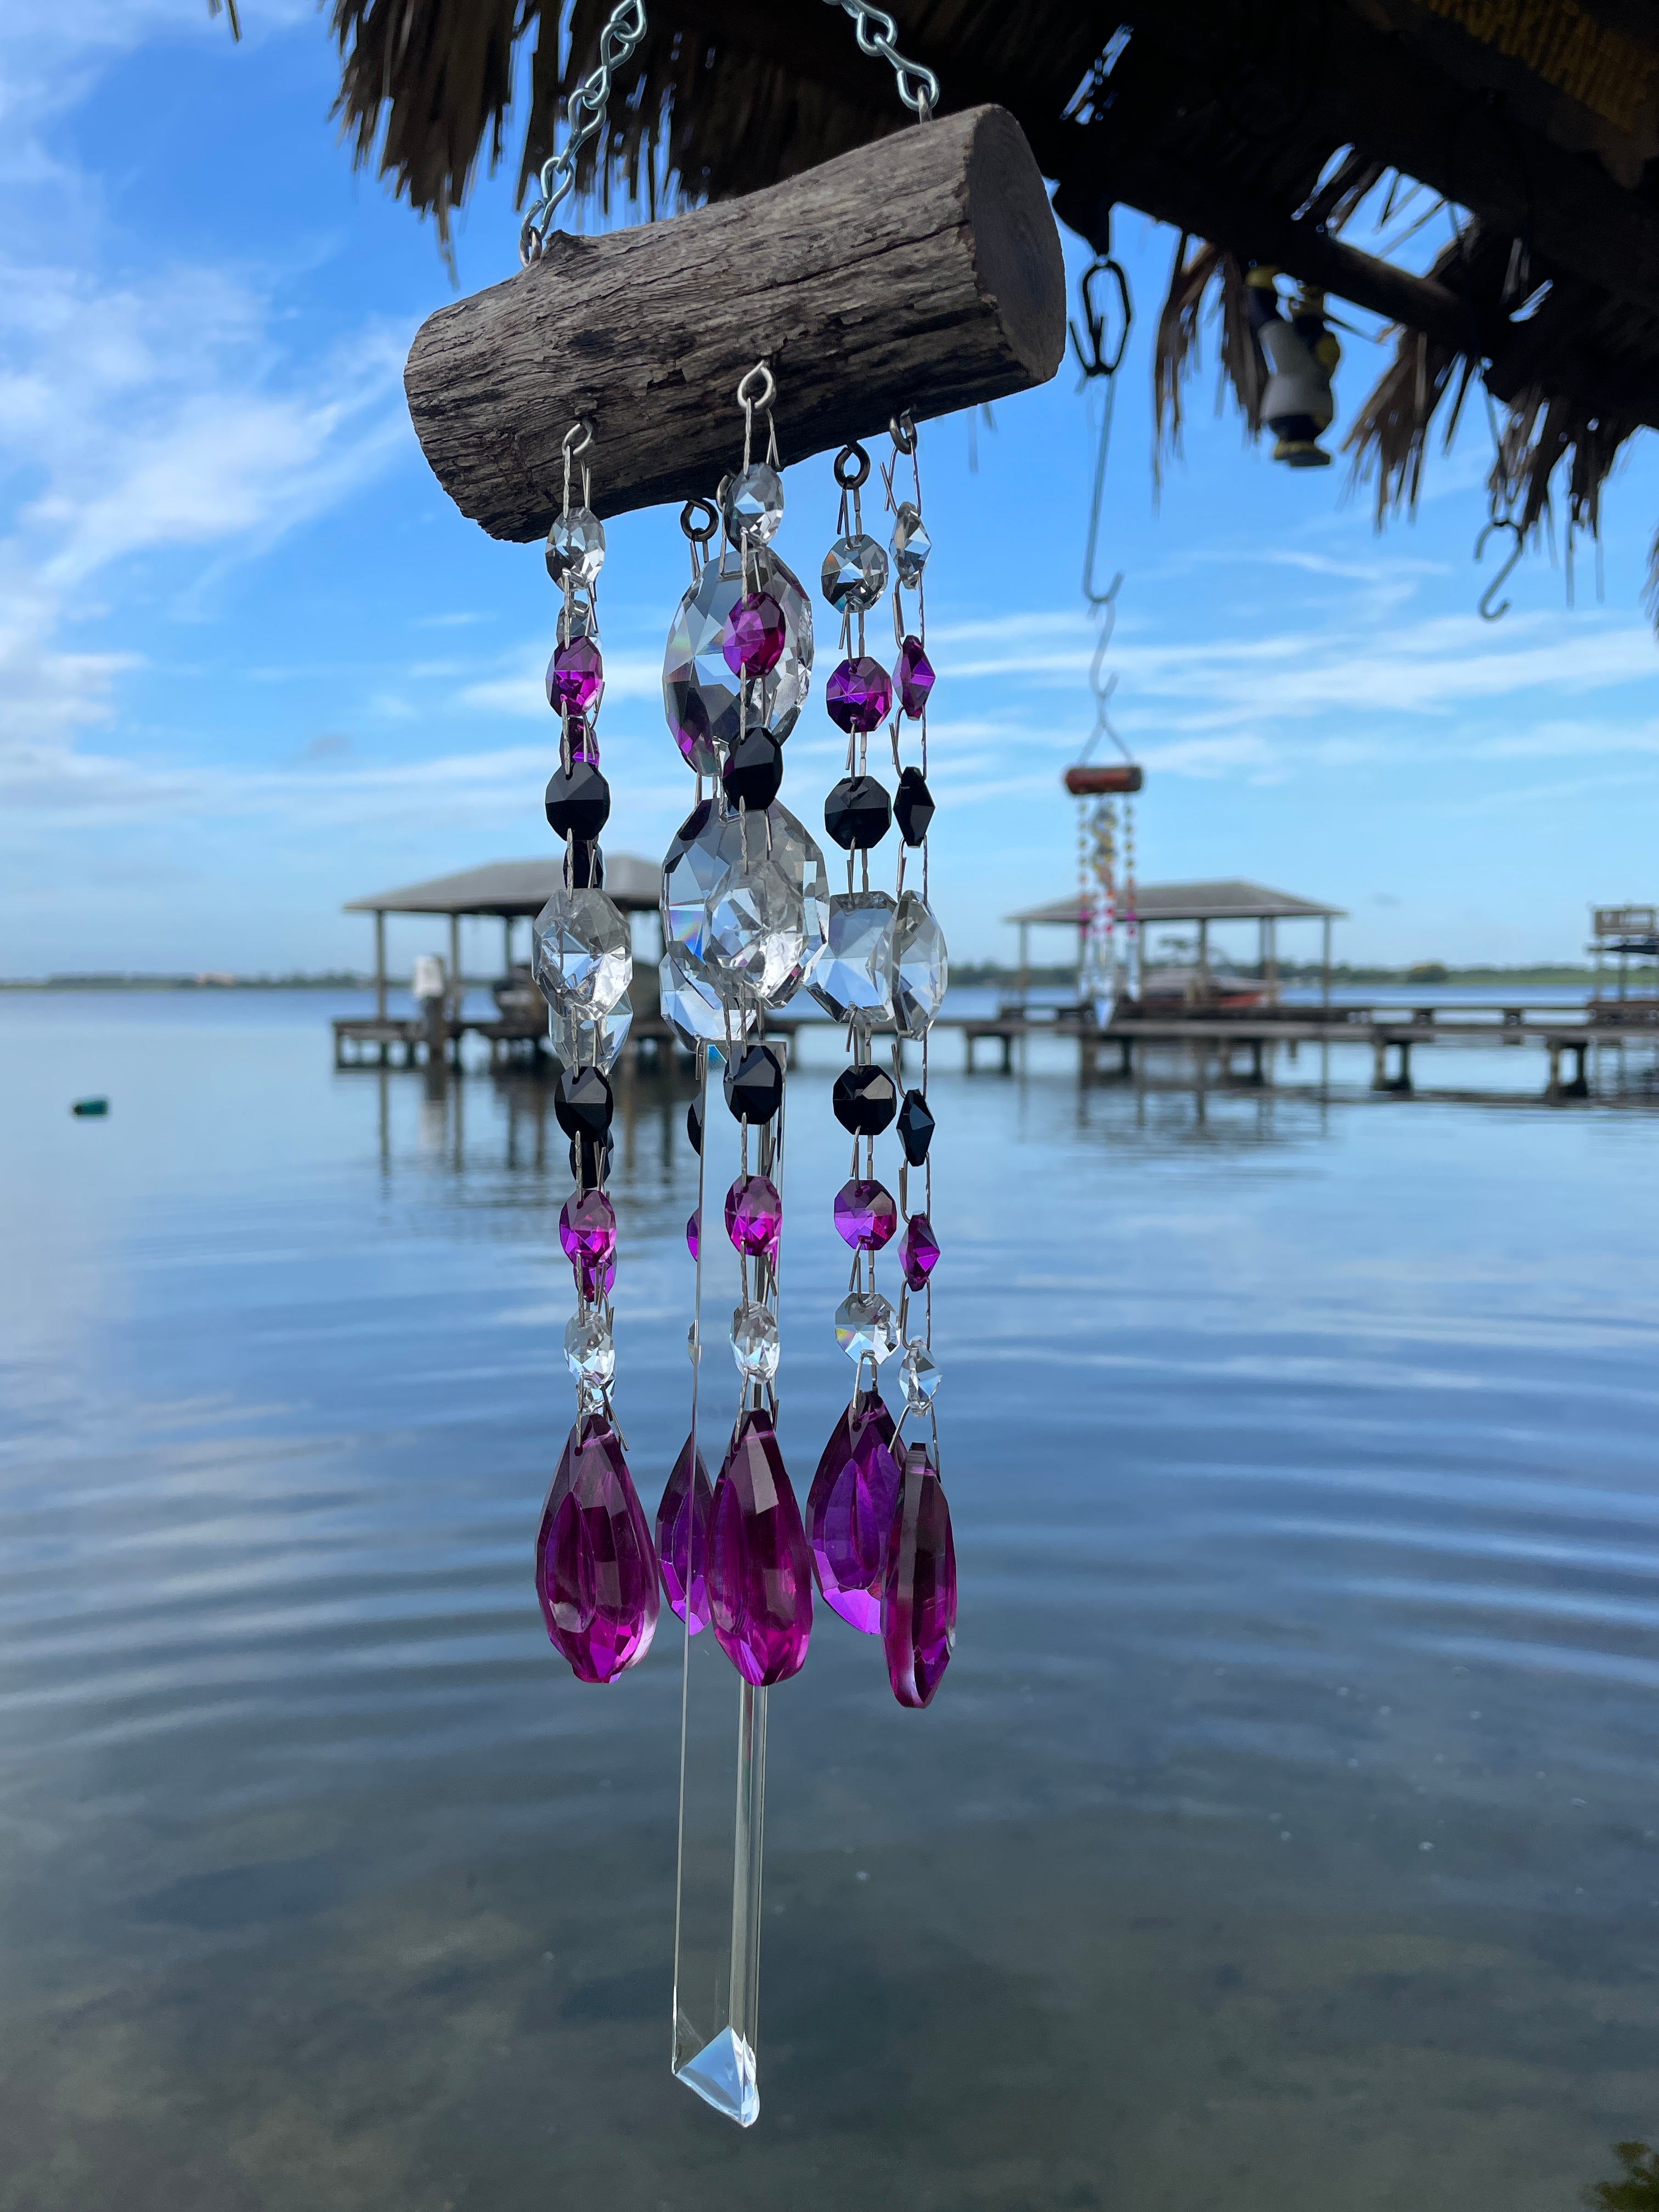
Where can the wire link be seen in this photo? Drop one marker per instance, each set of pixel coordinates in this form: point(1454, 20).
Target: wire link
point(876, 31)
point(584, 113)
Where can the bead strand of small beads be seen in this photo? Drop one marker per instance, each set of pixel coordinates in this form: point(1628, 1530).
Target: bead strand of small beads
point(596, 1572)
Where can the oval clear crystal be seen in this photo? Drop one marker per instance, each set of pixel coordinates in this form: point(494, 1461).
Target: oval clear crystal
point(751, 505)
point(583, 958)
point(919, 1372)
point(690, 1002)
point(864, 1327)
point(911, 543)
point(755, 1342)
point(921, 973)
point(855, 575)
point(705, 701)
point(575, 546)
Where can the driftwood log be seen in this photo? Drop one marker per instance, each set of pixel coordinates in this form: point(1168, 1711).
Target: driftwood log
point(922, 271)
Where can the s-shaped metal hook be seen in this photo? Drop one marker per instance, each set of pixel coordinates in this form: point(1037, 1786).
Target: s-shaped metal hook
point(1488, 612)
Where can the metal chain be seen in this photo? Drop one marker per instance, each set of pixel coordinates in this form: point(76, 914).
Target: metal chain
point(584, 113)
point(918, 87)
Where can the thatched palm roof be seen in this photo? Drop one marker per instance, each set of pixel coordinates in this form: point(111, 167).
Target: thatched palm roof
point(1255, 125)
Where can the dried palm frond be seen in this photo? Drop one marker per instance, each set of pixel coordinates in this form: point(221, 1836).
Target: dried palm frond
point(1541, 432)
point(1333, 203)
point(1175, 350)
point(1390, 434)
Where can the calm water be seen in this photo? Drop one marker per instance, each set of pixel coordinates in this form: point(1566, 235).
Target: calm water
point(1285, 1834)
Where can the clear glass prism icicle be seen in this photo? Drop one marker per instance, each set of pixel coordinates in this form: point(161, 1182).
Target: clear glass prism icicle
point(717, 1920)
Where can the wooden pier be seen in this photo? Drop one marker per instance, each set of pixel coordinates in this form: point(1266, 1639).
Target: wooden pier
point(1234, 1048)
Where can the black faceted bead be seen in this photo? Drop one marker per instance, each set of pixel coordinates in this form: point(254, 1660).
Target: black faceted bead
point(915, 1127)
point(913, 807)
point(754, 1084)
point(865, 1100)
point(584, 865)
point(753, 771)
point(578, 805)
point(583, 1103)
point(590, 1161)
point(693, 1127)
point(857, 813)
point(689, 832)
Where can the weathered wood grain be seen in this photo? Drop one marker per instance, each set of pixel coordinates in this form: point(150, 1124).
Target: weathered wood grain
point(922, 271)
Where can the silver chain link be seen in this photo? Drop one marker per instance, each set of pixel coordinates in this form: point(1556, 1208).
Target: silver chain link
point(918, 87)
point(875, 30)
point(584, 113)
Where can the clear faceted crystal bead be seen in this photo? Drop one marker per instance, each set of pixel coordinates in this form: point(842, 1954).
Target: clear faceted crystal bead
point(855, 575)
point(583, 958)
point(575, 546)
point(854, 974)
point(690, 1002)
point(757, 930)
point(580, 1040)
point(752, 505)
point(911, 543)
point(755, 1342)
point(588, 1351)
point(920, 969)
point(919, 1372)
point(864, 1327)
point(703, 698)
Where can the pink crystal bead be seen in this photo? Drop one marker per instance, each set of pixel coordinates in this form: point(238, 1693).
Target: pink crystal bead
point(919, 1253)
point(754, 1215)
point(858, 695)
point(588, 1231)
point(575, 677)
point(682, 1524)
point(760, 1571)
point(919, 1595)
point(849, 1512)
point(596, 1566)
point(913, 678)
point(865, 1214)
point(694, 1232)
point(752, 641)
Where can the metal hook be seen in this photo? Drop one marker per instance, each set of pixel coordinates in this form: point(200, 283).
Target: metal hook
point(1488, 612)
point(749, 400)
point(579, 436)
point(852, 467)
point(1095, 361)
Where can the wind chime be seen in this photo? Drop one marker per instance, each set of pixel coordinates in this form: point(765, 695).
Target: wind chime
point(593, 359)
point(1108, 926)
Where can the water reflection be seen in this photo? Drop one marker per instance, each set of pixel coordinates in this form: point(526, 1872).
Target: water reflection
point(1283, 1836)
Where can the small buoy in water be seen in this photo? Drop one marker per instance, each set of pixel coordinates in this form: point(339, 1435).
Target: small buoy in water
point(90, 1106)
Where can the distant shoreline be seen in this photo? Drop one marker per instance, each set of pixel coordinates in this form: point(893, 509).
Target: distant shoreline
point(1429, 976)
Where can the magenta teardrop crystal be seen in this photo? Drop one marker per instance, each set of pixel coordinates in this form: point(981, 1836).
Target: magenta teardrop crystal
point(596, 1566)
point(849, 1512)
point(918, 1597)
point(760, 1573)
point(683, 1528)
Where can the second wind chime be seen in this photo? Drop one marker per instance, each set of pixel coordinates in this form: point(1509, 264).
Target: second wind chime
point(539, 408)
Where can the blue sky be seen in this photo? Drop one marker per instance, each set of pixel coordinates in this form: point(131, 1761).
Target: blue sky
point(253, 663)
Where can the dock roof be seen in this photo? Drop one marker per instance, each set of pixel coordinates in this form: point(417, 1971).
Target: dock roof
point(1229, 899)
point(515, 887)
